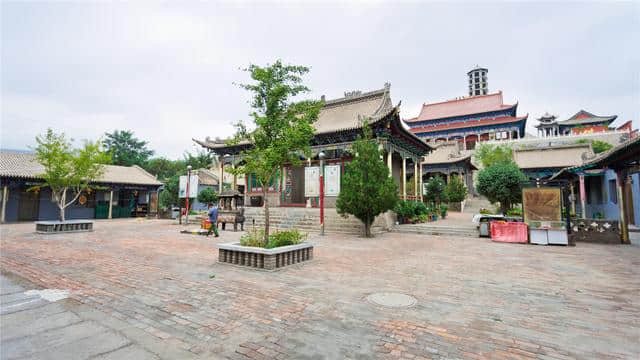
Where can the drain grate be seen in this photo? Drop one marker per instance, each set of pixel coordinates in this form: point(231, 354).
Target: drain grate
point(391, 299)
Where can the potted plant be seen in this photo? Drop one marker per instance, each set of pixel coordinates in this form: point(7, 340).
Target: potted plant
point(443, 210)
point(433, 214)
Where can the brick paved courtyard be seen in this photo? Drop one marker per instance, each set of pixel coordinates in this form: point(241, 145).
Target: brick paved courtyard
point(475, 299)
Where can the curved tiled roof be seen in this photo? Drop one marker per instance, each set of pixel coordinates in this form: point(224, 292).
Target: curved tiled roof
point(206, 176)
point(346, 113)
point(446, 153)
point(25, 166)
point(583, 117)
point(460, 107)
point(629, 149)
point(468, 124)
point(552, 157)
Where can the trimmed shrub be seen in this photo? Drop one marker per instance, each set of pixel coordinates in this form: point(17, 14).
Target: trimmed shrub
point(456, 191)
point(286, 237)
point(254, 238)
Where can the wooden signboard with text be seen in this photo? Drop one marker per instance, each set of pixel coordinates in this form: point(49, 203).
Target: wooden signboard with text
point(542, 204)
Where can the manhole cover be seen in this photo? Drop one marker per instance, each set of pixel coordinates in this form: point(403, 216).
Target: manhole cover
point(391, 299)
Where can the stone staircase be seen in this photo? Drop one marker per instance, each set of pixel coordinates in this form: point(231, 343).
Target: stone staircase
point(438, 230)
point(474, 204)
point(308, 220)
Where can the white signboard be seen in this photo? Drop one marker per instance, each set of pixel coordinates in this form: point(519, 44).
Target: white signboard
point(332, 180)
point(193, 186)
point(312, 181)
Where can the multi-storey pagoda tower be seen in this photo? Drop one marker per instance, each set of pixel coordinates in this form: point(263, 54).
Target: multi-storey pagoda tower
point(479, 117)
point(478, 82)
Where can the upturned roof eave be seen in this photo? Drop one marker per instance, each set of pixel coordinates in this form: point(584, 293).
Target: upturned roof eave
point(515, 119)
point(596, 119)
point(376, 119)
point(599, 160)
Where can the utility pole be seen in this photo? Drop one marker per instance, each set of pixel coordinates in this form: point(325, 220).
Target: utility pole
point(187, 198)
point(321, 156)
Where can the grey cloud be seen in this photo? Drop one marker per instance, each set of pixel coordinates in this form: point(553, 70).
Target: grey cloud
point(166, 71)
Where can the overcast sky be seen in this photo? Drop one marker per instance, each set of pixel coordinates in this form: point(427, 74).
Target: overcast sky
point(166, 71)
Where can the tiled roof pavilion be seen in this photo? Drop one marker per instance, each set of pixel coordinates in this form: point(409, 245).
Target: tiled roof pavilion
point(467, 116)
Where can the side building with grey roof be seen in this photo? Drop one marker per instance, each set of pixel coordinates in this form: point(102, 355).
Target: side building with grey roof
point(122, 191)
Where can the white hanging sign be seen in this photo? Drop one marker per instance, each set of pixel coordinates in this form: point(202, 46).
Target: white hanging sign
point(311, 181)
point(193, 186)
point(332, 180)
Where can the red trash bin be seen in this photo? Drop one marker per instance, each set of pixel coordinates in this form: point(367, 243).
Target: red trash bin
point(511, 232)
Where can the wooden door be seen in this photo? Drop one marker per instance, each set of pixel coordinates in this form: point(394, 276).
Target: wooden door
point(153, 202)
point(28, 205)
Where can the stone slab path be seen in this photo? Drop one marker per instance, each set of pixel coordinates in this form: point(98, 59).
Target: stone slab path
point(154, 293)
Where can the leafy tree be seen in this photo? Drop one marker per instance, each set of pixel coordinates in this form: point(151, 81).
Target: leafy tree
point(169, 195)
point(201, 159)
point(66, 168)
point(367, 189)
point(501, 183)
point(597, 145)
point(600, 146)
point(207, 196)
point(125, 149)
point(436, 190)
point(164, 168)
point(488, 154)
point(283, 128)
point(456, 191)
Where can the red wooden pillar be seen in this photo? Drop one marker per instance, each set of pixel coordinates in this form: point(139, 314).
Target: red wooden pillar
point(583, 196)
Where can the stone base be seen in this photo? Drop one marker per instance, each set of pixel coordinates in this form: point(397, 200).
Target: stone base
point(57, 227)
point(264, 259)
point(595, 231)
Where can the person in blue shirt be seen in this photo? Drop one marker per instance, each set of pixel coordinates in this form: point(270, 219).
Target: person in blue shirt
point(213, 218)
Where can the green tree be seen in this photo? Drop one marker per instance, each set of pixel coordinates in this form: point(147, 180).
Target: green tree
point(207, 196)
point(488, 154)
point(201, 159)
point(456, 191)
point(126, 149)
point(66, 168)
point(436, 190)
point(501, 182)
point(164, 168)
point(283, 128)
point(169, 195)
point(367, 189)
point(597, 145)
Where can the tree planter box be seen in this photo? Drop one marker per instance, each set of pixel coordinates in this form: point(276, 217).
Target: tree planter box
point(266, 259)
point(56, 227)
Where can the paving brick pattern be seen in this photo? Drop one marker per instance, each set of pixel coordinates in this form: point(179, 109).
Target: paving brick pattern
point(476, 299)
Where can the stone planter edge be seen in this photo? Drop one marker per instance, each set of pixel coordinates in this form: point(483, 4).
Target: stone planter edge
point(264, 259)
point(235, 246)
point(51, 223)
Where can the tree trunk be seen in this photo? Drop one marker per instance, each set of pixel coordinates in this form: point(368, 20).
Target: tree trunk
point(63, 199)
point(504, 206)
point(367, 228)
point(266, 217)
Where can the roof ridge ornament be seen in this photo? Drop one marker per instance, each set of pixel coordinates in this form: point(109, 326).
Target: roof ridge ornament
point(352, 94)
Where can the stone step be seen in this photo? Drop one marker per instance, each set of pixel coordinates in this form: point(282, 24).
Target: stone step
point(433, 230)
point(307, 219)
